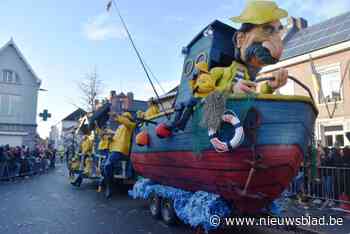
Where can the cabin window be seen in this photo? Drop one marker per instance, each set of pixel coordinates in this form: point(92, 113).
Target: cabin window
point(188, 67)
point(9, 76)
point(330, 80)
point(202, 57)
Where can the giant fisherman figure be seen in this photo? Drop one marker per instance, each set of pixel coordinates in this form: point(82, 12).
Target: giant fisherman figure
point(256, 44)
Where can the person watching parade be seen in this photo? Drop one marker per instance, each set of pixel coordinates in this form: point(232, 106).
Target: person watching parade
point(86, 148)
point(119, 147)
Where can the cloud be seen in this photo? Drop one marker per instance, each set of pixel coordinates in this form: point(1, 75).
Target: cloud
point(102, 28)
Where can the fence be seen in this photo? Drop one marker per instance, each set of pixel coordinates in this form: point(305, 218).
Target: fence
point(330, 183)
point(26, 167)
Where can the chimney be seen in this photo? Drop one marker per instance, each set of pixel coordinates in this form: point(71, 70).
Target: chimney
point(130, 98)
point(293, 26)
point(112, 94)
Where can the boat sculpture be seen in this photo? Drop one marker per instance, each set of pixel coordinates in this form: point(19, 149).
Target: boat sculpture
point(277, 131)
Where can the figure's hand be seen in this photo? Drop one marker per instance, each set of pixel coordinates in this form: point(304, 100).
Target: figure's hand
point(244, 86)
point(281, 77)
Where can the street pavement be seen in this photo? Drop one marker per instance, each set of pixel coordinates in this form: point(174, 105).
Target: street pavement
point(48, 204)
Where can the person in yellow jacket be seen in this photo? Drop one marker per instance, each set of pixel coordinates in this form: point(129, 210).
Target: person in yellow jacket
point(86, 148)
point(104, 141)
point(152, 110)
point(201, 84)
point(119, 146)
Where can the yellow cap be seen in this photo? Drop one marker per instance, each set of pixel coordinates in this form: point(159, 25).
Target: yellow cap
point(202, 66)
point(127, 114)
point(260, 12)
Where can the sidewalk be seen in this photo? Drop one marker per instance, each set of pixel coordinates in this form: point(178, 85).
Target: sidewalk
point(296, 209)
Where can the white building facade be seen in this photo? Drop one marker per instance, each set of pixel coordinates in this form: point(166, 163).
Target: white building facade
point(19, 88)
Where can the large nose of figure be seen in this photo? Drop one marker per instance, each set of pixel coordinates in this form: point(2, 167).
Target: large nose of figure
point(275, 45)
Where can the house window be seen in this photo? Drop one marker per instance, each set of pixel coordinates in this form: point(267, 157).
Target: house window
point(335, 135)
point(330, 79)
point(11, 77)
point(10, 104)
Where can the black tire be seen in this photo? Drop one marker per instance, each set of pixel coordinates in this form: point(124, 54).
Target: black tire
point(167, 211)
point(154, 202)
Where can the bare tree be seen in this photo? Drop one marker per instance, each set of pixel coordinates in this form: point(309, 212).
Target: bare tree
point(90, 88)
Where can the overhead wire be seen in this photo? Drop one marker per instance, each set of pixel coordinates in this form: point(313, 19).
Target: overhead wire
point(114, 2)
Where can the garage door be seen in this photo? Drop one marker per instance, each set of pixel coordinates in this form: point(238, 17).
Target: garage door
point(11, 140)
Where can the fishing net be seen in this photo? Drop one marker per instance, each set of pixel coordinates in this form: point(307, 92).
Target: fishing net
point(209, 113)
point(213, 109)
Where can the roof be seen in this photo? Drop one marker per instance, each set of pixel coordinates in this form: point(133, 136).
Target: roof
point(19, 53)
point(170, 94)
point(138, 105)
point(214, 24)
point(318, 36)
point(75, 116)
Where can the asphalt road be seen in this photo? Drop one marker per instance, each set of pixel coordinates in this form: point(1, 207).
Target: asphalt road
point(48, 204)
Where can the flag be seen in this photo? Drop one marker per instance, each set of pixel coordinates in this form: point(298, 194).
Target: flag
point(316, 82)
point(109, 5)
point(315, 76)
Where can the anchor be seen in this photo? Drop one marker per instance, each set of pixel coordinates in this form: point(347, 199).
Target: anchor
point(251, 125)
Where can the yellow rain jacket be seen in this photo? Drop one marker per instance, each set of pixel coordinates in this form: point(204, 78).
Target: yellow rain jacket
point(86, 146)
point(152, 111)
point(203, 85)
point(104, 140)
point(121, 140)
point(224, 77)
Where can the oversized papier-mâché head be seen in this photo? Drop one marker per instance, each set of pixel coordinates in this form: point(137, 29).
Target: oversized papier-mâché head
point(258, 42)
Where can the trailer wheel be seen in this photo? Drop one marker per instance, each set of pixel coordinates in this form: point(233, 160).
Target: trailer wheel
point(154, 205)
point(167, 211)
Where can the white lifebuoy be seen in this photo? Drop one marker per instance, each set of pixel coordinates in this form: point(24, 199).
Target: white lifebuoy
point(237, 139)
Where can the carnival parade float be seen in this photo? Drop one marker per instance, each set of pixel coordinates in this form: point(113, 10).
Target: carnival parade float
point(224, 147)
point(251, 158)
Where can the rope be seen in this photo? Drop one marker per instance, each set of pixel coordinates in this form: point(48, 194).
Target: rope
point(137, 53)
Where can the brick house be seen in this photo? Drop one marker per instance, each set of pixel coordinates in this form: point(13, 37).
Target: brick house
point(328, 44)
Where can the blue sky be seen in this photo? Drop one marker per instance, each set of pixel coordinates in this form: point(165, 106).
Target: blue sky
point(63, 40)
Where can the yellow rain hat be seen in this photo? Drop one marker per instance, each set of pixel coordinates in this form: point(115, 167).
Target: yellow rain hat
point(260, 12)
point(202, 66)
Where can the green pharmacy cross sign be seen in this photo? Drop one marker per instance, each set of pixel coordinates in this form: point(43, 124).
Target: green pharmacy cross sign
point(45, 115)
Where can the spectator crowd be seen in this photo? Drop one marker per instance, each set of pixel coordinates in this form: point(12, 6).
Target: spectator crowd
point(325, 176)
point(22, 161)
